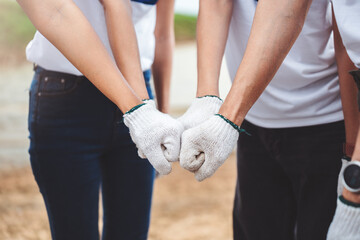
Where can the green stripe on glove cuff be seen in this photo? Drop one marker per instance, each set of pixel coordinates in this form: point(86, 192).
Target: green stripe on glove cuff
point(237, 128)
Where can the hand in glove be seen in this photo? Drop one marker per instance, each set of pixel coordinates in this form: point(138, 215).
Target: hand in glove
point(200, 110)
point(206, 147)
point(156, 135)
point(346, 222)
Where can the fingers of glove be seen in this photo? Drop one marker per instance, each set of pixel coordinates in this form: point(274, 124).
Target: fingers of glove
point(208, 168)
point(192, 160)
point(191, 157)
point(171, 148)
point(158, 161)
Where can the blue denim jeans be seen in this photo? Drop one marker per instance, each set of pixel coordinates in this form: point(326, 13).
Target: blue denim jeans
point(79, 145)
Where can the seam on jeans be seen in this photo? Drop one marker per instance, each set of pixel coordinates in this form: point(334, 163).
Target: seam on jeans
point(37, 99)
point(35, 155)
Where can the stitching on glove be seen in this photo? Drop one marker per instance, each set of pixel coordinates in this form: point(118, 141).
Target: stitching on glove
point(348, 203)
point(134, 108)
point(237, 128)
point(214, 96)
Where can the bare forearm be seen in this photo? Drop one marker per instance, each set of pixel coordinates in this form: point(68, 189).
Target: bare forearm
point(64, 25)
point(162, 69)
point(212, 31)
point(275, 28)
point(164, 48)
point(348, 88)
point(123, 43)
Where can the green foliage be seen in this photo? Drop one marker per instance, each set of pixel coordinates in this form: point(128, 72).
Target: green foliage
point(185, 28)
point(16, 29)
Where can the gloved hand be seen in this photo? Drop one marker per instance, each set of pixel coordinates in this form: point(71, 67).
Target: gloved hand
point(346, 222)
point(344, 163)
point(156, 135)
point(200, 110)
point(206, 147)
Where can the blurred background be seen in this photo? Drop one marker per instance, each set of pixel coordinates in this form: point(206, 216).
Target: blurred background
point(183, 209)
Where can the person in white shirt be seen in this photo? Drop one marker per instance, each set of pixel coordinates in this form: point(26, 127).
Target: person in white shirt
point(288, 167)
point(88, 72)
point(346, 20)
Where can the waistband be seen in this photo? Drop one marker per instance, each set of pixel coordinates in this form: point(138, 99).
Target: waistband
point(43, 72)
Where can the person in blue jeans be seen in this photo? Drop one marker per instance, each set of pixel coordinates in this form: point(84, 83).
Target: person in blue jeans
point(79, 143)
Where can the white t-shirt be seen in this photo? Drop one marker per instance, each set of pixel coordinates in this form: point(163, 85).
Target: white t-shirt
point(305, 90)
point(347, 15)
point(43, 53)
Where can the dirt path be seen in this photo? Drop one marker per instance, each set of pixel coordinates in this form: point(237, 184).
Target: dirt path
point(183, 209)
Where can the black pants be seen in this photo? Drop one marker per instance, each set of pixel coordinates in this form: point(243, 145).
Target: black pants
point(287, 182)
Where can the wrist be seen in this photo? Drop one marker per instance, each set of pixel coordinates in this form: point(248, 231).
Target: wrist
point(164, 109)
point(348, 149)
point(163, 106)
point(207, 91)
point(232, 124)
point(351, 197)
point(232, 114)
point(126, 106)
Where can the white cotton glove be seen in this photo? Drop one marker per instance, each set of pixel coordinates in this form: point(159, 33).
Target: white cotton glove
point(346, 223)
point(200, 110)
point(206, 147)
point(156, 135)
point(340, 188)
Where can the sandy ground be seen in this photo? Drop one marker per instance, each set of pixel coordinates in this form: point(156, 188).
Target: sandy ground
point(183, 209)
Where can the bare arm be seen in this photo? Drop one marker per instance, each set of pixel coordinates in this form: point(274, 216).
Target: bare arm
point(65, 26)
point(275, 28)
point(348, 88)
point(212, 31)
point(164, 47)
point(123, 43)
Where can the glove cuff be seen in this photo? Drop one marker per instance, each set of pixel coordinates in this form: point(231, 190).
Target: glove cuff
point(222, 128)
point(211, 102)
point(211, 96)
point(236, 127)
point(139, 115)
point(346, 220)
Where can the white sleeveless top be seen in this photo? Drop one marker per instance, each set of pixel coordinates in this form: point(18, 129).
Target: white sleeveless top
point(43, 53)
